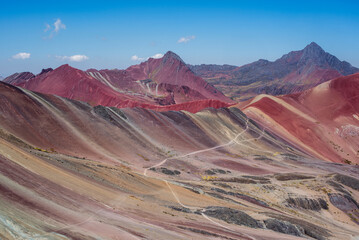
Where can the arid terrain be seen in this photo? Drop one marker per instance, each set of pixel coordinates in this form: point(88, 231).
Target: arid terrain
point(268, 168)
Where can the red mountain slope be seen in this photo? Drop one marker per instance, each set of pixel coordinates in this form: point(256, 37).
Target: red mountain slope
point(72, 83)
point(18, 78)
point(166, 77)
point(324, 120)
point(152, 84)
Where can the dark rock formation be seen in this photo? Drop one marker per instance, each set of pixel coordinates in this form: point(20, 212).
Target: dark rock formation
point(338, 187)
point(306, 203)
point(347, 204)
point(180, 209)
point(233, 216)
point(215, 171)
point(343, 202)
point(291, 176)
point(283, 227)
point(238, 180)
point(46, 70)
point(309, 229)
point(169, 172)
point(347, 181)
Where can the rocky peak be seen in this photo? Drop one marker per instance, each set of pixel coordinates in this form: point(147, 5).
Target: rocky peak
point(170, 57)
point(313, 50)
point(313, 54)
point(314, 46)
point(46, 70)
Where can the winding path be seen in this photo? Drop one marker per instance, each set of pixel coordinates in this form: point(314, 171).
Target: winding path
point(233, 141)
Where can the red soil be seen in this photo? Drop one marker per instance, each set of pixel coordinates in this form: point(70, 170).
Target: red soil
point(332, 131)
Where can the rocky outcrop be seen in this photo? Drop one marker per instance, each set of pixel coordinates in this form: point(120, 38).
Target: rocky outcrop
point(180, 209)
point(309, 229)
point(347, 204)
point(215, 171)
point(45, 70)
point(343, 202)
point(347, 181)
point(307, 203)
point(232, 216)
point(166, 171)
point(283, 227)
point(291, 176)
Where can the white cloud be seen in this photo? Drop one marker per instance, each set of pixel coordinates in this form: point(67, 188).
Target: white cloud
point(136, 58)
point(22, 55)
point(74, 58)
point(158, 55)
point(59, 25)
point(186, 39)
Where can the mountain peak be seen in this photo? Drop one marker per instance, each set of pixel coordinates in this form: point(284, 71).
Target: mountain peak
point(313, 45)
point(65, 68)
point(313, 48)
point(45, 70)
point(314, 52)
point(171, 55)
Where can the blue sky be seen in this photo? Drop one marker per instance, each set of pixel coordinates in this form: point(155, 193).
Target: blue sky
point(109, 34)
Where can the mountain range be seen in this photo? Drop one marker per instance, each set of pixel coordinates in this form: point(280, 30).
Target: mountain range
point(157, 152)
point(168, 80)
point(293, 72)
point(151, 84)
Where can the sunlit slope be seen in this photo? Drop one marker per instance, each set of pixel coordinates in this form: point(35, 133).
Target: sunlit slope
point(323, 121)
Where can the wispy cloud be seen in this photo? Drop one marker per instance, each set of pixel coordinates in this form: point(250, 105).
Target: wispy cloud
point(186, 39)
point(21, 55)
point(158, 55)
point(57, 26)
point(73, 58)
point(137, 58)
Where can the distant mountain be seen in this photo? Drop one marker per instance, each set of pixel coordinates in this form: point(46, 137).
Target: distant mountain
point(294, 72)
point(156, 82)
